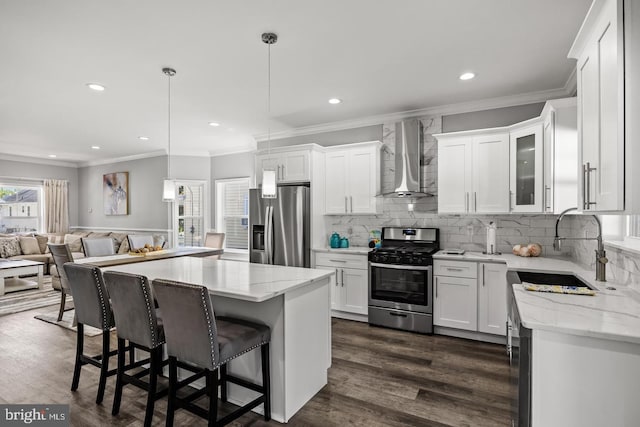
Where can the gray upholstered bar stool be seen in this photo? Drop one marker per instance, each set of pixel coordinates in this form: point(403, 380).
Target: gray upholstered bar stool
point(92, 306)
point(102, 246)
point(197, 338)
point(137, 322)
point(61, 255)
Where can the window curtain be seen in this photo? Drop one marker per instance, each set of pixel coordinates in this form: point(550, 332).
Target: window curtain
point(56, 205)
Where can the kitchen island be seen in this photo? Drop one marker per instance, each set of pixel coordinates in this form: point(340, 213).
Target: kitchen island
point(293, 302)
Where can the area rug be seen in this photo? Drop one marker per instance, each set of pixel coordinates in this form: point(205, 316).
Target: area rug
point(67, 322)
point(15, 302)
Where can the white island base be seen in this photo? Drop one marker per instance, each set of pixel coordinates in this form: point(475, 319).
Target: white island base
point(300, 347)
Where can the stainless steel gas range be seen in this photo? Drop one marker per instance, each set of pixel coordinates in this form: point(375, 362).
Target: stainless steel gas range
point(401, 279)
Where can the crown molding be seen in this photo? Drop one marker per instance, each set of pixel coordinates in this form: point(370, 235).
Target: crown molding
point(218, 153)
point(122, 159)
point(463, 107)
point(571, 85)
point(37, 160)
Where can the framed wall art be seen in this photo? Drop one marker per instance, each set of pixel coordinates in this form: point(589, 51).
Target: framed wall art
point(115, 193)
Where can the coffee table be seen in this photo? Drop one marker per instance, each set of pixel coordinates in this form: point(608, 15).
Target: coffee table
point(11, 269)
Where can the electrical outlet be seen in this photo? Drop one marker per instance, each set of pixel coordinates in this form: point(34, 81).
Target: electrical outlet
point(469, 230)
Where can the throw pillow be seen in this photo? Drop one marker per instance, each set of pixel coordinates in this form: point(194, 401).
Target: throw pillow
point(118, 238)
point(42, 242)
point(74, 241)
point(29, 245)
point(9, 246)
point(124, 247)
point(158, 240)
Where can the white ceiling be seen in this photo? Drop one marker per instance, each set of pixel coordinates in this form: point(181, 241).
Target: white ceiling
point(380, 57)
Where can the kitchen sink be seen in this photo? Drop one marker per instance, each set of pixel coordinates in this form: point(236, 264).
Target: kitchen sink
point(552, 279)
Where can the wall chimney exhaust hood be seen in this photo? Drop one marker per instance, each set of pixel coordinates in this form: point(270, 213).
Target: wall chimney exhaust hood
point(408, 152)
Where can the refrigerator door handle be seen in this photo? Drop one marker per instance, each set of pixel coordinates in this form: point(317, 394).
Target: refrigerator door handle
point(268, 244)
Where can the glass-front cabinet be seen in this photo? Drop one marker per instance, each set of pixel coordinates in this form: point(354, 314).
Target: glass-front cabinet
point(526, 181)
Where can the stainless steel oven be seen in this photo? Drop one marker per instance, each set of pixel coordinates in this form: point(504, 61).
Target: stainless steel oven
point(401, 279)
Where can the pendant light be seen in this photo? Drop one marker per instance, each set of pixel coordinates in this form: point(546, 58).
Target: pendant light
point(269, 189)
point(169, 186)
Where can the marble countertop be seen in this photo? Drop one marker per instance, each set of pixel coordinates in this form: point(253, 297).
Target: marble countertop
point(233, 279)
point(610, 314)
point(357, 250)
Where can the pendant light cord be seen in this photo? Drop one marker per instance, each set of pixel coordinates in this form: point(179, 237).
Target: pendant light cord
point(269, 101)
point(169, 129)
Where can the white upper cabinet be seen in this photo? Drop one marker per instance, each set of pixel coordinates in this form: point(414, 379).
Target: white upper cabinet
point(600, 52)
point(473, 172)
point(526, 167)
point(560, 137)
point(352, 178)
point(290, 166)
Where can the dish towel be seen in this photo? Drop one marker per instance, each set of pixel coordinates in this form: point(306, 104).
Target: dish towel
point(557, 289)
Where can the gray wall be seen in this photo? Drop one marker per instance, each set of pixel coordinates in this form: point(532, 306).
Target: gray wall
point(190, 167)
point(146, 208)
point(347, 136)
point(230, 166)
point(14, 169)
point(491, 118)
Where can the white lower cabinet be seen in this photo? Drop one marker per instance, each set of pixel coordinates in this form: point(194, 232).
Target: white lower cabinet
point(455, 303)
point(349, 288)
point(470, 296)
point(492, 298)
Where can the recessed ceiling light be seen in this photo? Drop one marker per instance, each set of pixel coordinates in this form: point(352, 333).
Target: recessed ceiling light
point(95, 147)
point(214, 124)
point(95, 86)
point(53, 156)
point(335, 101)
point(467, 76)
point(143, 138)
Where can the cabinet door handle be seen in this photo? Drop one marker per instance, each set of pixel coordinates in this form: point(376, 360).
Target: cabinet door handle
point(547, 197)
point(345, 204)
point(342, 277)
point(588, 170)
point(475, 201)
point(454, 269)
point(351, 202)
point(337, 260)
point(466, 202)
point(510, 200)
point(336, 277)
point(278, 174)
point(483, 265)
point(283, 172)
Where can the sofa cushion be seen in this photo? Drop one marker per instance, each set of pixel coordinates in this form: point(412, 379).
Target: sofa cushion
point(98, 234)
point(29, 245)
point(42, 242)
point(9, 246)
point(55, 239)
point(74, 241)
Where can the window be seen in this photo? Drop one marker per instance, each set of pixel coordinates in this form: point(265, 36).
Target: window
point(232, 212)
point(20, 208)
point(633, 226)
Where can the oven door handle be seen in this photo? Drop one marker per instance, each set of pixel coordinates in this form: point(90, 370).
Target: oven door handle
point(401, 267)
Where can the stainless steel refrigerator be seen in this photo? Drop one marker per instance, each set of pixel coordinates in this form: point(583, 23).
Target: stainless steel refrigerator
point(280, 229)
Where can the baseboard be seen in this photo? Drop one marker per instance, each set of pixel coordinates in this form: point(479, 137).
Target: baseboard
point(350, 316)
point(470, 335)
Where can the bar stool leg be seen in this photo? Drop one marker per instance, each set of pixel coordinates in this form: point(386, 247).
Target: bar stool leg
point(79, 350)
point(104, 368)
point(212, 387)
point(266, 380)
point(119, 378)
point(173, 382)
point(153, 382)
point(223, 383)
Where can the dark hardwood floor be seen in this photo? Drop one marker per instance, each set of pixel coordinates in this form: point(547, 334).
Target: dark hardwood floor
point(379, 377)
